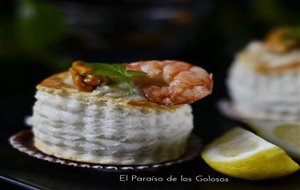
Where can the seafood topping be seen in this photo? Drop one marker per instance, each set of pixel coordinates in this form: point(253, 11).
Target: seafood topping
point(167, 82)
point(173, 82)
point(81, 79)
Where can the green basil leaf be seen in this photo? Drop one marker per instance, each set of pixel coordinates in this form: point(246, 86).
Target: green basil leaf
point(117, 72)
point(133, 73)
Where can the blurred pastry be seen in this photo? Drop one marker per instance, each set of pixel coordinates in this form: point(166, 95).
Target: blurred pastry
point(123, 114)
point(264, 80)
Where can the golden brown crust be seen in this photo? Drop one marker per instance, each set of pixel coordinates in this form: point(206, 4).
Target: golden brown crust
point(267, 69)
point(147, 105)
point(55, 84)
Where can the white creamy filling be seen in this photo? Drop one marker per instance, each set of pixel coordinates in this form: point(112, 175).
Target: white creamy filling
point(118, 90)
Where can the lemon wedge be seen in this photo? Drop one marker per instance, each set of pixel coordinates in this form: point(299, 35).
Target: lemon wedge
point(242, 154)
point(284, 134)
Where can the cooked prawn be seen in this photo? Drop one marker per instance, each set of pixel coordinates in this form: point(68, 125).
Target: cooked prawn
point(173, 82)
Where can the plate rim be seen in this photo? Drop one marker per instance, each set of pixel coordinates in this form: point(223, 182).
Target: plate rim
point(226, 107)
point(192, 151)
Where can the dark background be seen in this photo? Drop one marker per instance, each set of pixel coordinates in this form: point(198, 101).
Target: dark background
point(41, 37)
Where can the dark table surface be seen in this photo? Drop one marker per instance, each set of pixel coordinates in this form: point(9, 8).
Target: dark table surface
point(20, 171)
point(222, 29)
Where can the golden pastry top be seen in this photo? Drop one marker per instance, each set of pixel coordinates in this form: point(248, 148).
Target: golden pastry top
point(57, 84)
point(279, 52)
point(259, 65)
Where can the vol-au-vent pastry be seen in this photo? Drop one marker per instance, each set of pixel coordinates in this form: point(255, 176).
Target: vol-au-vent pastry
point(123, 114)
point(264, 80)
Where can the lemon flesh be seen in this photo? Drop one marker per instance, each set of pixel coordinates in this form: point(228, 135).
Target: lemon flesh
point(242, 154)
point(284, 135)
